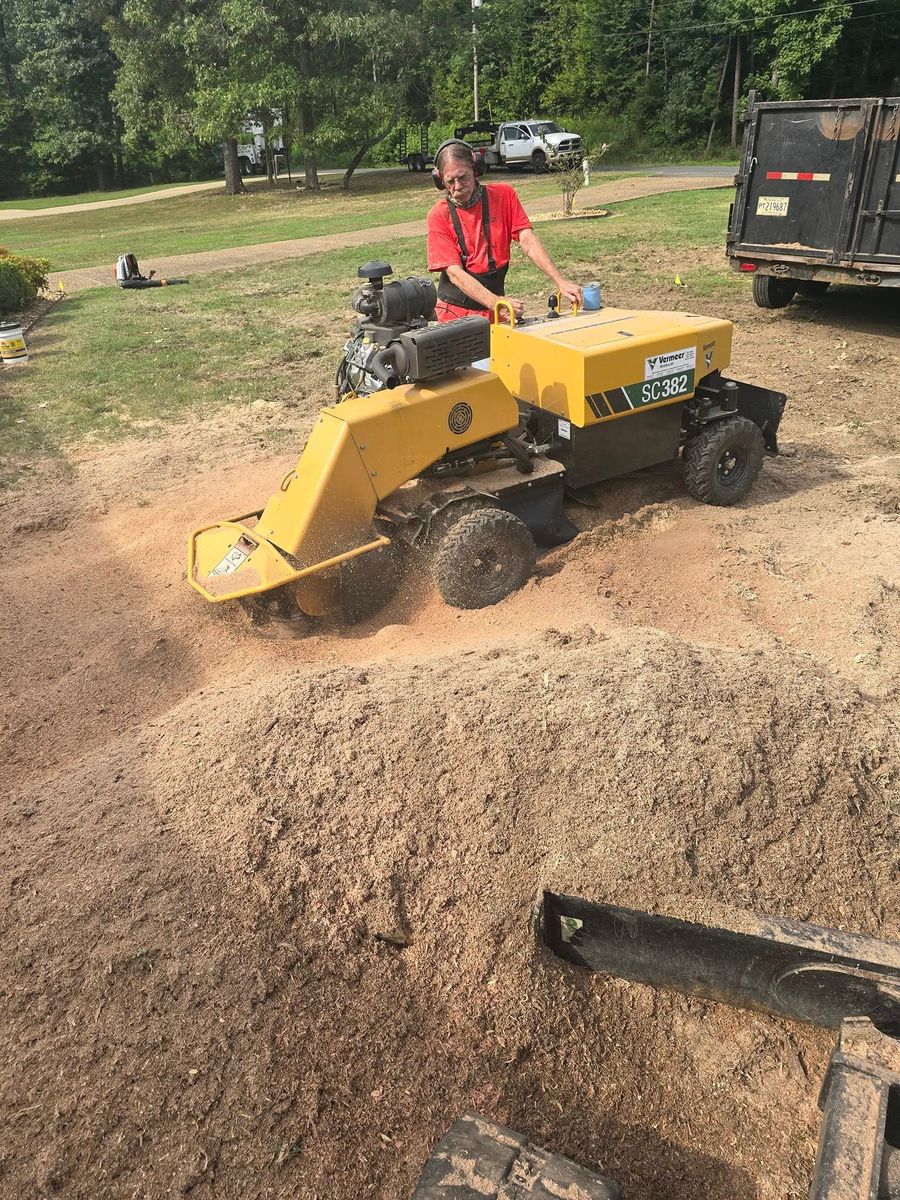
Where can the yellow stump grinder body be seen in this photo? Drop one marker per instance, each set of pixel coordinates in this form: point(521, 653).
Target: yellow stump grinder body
point(467, 466)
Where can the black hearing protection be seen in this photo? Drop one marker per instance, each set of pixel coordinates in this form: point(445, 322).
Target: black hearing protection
point(478, 162)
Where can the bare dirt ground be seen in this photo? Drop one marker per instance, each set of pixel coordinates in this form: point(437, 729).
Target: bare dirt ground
point(266, 923)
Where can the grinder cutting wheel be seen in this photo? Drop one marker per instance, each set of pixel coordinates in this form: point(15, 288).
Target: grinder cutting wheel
point(467, 469)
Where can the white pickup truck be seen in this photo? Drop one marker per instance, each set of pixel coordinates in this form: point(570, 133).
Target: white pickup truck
point(252, 150)
point(538, 144)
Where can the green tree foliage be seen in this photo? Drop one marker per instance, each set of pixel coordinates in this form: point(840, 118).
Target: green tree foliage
point(58, 73)
point(92, 90)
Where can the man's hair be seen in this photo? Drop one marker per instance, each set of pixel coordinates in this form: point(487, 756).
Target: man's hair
point(455, 152)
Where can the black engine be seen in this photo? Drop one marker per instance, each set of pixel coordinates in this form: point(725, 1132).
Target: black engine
point(392, 342)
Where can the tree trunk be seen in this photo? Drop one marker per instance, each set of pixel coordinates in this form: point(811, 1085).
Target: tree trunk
point(234, 184)
point(104, 169)
point(366, 147)
point(715, 120)
point(311, 172)
point(736, 96)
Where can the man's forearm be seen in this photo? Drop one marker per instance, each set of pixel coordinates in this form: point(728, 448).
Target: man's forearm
point(473, 289)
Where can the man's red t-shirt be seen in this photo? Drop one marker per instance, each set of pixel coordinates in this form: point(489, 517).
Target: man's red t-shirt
point(507, 220)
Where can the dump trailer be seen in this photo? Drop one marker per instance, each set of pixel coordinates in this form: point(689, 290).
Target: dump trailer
point(827, 977)
point(425, 456)
point(817, 197)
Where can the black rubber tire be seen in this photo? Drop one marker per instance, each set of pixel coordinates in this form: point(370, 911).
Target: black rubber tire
point(813, 287)
point(539, 162)
point(245, 166)
point(481, 557)
point(771, 292)
point(722, 462)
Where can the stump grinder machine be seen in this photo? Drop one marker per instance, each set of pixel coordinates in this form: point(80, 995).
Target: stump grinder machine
point(424, 455)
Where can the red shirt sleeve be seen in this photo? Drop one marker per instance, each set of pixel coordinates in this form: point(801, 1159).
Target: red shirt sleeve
point(515, 213)
point(442, 247)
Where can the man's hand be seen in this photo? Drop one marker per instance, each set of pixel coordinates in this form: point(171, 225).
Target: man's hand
point(518, 307)
point(571, 291)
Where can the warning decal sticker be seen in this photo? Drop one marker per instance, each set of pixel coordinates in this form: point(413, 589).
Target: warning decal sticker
point(235, 558)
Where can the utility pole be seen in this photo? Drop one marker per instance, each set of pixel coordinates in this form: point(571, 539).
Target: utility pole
point(475, 4)
point(736, 94)
point(649, 39)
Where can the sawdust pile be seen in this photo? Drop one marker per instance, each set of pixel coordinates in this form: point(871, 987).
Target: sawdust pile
point(276, 942)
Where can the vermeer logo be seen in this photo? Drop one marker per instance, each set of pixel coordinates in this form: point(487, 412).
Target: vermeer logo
point(668, 364)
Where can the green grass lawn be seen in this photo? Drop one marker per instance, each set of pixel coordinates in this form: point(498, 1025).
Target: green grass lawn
point(92, 197)
point(214, 221)
point(107, 363)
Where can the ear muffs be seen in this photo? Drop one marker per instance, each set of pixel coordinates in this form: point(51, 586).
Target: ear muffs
point(478, 163)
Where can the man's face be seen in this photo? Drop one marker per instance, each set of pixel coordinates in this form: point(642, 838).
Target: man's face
point(459, 180)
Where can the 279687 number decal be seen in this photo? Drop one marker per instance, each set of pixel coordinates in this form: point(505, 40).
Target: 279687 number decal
point(664, 389)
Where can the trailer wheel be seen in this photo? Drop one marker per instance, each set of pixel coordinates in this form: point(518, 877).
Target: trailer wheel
point(813, 287)
point(771, 292)
point(539, 162)
point(722, 462)
point(483, 556)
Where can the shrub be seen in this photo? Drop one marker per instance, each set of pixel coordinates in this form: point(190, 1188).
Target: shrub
point(21, 278)
point(34, 269)
point(15, 289)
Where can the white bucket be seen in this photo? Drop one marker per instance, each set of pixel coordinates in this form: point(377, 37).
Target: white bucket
point(12, 344)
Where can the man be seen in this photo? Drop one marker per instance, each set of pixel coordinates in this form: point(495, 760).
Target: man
point(469, 237)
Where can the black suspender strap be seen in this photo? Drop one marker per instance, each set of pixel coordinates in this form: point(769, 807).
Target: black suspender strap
point(454, 217)
point(485, 225)
point(494, 278)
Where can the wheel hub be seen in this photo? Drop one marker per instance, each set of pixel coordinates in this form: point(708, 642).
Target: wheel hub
point(728, 465)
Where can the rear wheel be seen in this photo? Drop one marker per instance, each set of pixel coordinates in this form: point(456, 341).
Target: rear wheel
point(482, 556)
point(722, 462)
point(539, 162)
point(771, 292)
